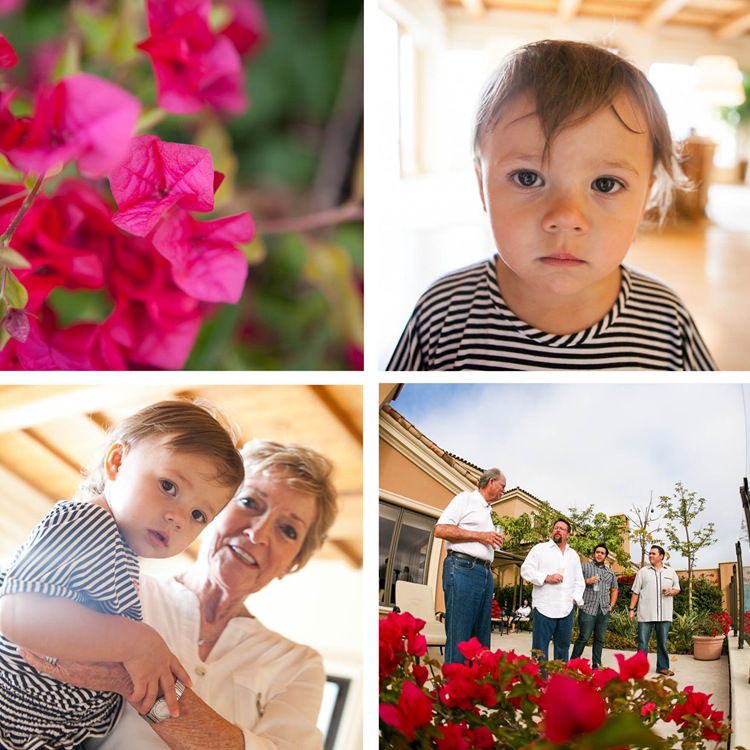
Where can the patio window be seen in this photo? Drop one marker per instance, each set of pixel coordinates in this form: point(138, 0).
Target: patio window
point(405, 537)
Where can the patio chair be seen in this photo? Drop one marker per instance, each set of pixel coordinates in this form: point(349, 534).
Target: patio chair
point(419, 599)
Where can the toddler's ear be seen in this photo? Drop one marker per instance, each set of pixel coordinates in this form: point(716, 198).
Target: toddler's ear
point(113, 460)
point(478, 173)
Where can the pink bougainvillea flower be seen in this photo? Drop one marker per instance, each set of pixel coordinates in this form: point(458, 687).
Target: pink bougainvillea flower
point(8, 6)
point(82, 117)
point(414, 709)
point(146, 320)
point(633, 668)
point(8, 56)
point(571, 707)
point(157, 175)
point(193, 66)
point(206, 262)
point(648, 708)
point(247, 30)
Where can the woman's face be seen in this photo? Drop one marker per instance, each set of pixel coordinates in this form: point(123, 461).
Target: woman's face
point(258, 536)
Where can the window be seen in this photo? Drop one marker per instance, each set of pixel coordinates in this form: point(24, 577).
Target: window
point(405, 538)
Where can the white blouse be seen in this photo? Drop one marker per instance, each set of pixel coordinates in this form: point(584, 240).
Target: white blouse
point(264, 683)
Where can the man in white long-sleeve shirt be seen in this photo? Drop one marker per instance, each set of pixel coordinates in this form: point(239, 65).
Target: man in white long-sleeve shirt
point(554, 571)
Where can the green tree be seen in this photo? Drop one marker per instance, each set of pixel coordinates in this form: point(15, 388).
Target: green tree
point(682, 510)
point(591, 528)
point(529, 528)
point(642, 529)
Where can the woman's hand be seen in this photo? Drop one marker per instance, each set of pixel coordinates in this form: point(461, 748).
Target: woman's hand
point(152, 669)
point(102, 676)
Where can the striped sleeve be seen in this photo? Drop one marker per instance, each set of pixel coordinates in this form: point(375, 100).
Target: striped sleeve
point(76, 552)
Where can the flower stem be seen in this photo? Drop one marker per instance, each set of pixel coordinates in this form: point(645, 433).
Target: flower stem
point(320, 220)
point(8, 233)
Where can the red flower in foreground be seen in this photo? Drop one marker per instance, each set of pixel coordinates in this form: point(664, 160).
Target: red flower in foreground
point(570, 708)
point(633, 668)
point(697, 707)
point(414, 709)
point(247, 29)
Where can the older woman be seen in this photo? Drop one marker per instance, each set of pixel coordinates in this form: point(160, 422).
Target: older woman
point(252, 688)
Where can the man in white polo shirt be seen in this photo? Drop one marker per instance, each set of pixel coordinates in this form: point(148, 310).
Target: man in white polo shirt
point(554, 571)
point(467, 528)
point(654, 589)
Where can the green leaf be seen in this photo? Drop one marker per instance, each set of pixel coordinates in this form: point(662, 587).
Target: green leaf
point(12, 259)
point(622, 730)
point(79, 306)
point(15, 291)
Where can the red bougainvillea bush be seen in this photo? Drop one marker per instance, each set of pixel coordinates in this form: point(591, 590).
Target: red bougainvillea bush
point(94, 205)
point(504, 700)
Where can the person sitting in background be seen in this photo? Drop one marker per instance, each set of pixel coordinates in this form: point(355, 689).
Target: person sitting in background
point(523, 611)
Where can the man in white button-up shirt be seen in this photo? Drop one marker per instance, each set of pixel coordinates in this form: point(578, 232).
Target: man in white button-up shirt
point(554, 571)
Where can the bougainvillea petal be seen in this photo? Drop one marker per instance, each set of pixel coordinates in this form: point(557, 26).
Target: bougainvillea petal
point(247, 30)
point(193, 66)
point(8, 56)
point(157, 175)
point(206, 263)
point(83, 117)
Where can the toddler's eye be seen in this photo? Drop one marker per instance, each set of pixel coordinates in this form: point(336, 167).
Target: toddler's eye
point(199, 516)
point(527, 179)
point(607, 185)
point(169, 487)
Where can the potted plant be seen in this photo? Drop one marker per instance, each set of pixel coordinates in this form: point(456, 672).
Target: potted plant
point(709, 633)
point(739, 117)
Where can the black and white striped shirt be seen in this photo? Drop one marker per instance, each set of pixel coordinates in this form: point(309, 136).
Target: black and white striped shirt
point(462, 323)
point(76, 551)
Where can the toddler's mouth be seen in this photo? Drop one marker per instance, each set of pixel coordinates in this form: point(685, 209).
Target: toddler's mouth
point(561, 259)
point(158, 539)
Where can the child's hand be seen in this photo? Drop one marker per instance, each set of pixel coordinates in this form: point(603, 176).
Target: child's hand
point(153, 668)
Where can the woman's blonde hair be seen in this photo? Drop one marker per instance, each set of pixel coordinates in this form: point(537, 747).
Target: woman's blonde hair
point(305, 470)
point(569, 82)
point(192, 427)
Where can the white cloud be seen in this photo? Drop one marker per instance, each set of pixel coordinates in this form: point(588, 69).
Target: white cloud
point(609, 445)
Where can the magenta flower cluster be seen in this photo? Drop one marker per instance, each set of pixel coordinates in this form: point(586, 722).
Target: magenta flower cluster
point(155, 268)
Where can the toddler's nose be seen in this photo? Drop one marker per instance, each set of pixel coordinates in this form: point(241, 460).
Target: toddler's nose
point(565, 214)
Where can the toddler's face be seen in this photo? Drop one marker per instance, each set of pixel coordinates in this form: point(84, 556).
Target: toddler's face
point(161, 499)
point(563, 226)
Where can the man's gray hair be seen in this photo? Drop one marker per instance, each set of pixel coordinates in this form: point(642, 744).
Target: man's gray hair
point(487, 477)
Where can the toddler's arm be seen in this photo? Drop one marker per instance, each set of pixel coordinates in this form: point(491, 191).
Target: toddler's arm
point(64, 629)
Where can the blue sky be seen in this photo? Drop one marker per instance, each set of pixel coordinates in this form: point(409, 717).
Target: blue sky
point(610, 445)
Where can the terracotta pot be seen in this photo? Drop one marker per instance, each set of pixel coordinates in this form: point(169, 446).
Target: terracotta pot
point(707, 647)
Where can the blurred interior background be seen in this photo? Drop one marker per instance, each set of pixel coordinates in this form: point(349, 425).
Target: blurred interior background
point(434, 57)
point(49, 433)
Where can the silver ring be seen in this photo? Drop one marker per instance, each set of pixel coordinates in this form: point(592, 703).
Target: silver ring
point(50, 660)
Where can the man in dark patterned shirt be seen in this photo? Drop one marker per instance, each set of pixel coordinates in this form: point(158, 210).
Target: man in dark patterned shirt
point(599, 598)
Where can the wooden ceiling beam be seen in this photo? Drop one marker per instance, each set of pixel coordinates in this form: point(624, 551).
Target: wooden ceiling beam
point(475, 8)
point(734, 28)
point(662, 11)
point(567, 10)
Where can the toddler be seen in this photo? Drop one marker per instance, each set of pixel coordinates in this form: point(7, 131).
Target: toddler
point(571, 148)
point(71, 591)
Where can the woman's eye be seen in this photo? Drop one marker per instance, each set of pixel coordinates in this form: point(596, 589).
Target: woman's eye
point(169, 487)
point(247, 502)
point(607, 185)
point(199, 516)
point(290, 532)
point(527, 179)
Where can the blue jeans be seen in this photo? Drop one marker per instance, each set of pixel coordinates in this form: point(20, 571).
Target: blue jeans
point(548, 628)
point(588, 624)
point(644, 636)
point(468, 591)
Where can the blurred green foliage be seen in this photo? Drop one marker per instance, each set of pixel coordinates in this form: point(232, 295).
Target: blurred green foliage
point(295, 153)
